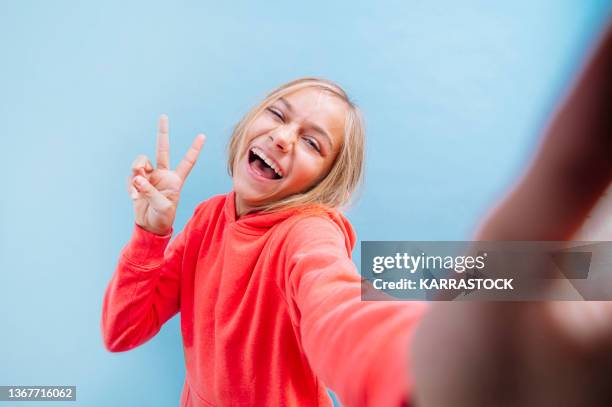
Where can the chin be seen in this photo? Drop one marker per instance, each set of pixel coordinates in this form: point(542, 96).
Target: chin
point(248, 194)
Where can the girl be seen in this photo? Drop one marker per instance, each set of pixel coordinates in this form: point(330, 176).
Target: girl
point(270, 301)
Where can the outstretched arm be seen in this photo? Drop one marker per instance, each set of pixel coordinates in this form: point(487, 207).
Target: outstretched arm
point(358, 348)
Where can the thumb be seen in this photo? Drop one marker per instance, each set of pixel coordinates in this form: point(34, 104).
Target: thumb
point(155, 198)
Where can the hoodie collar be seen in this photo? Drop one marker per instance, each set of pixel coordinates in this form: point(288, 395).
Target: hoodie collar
point(258, 223)
point(254, 223)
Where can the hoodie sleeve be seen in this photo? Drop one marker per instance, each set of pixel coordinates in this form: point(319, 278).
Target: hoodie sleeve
point(144, 290)
point(358, 348)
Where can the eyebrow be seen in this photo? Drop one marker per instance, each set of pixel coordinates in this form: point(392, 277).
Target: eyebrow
point(313, 126)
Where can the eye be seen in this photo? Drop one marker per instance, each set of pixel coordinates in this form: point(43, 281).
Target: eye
point(312, 143)
point(276, 113)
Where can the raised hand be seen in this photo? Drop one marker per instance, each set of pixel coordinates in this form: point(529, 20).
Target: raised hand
point(154, 191)
point(542, 353)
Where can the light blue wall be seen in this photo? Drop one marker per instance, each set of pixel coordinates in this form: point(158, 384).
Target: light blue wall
point(453, 96)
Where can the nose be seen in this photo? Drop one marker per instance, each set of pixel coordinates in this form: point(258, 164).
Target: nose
point(284, 138)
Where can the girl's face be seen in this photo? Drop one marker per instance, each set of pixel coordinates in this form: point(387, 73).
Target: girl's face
point(290, 147)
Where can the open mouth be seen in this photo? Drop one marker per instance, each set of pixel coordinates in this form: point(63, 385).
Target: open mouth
point(263, 165)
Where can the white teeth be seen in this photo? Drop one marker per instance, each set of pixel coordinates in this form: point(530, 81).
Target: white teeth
point(258, 152)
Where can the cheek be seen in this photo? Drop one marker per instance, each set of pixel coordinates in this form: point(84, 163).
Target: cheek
point(309, 169)
point(255, 130)
point(260, 126)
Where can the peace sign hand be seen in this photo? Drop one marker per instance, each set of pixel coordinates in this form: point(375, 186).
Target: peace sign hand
point(156, 191)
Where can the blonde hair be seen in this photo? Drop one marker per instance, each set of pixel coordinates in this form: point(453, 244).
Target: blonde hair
point(346, 174)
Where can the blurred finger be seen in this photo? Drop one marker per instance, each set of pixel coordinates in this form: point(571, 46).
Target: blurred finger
point(163, 144)
point(187, 163)
point(131, 189)
point(585, 322)
point(155, 198)
point(141, 165)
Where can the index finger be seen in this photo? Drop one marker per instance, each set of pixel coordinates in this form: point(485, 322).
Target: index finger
point(163, 144)
point(191, 156)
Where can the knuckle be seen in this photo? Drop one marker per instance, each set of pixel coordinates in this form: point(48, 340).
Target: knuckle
point(147, 189)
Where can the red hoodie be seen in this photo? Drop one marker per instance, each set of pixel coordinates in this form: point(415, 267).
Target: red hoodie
point(271, 310)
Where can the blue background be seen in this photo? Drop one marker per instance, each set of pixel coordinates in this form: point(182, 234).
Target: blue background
point(454, 97)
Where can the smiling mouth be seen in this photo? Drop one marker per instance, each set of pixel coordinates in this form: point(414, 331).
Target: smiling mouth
point(262, 165)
